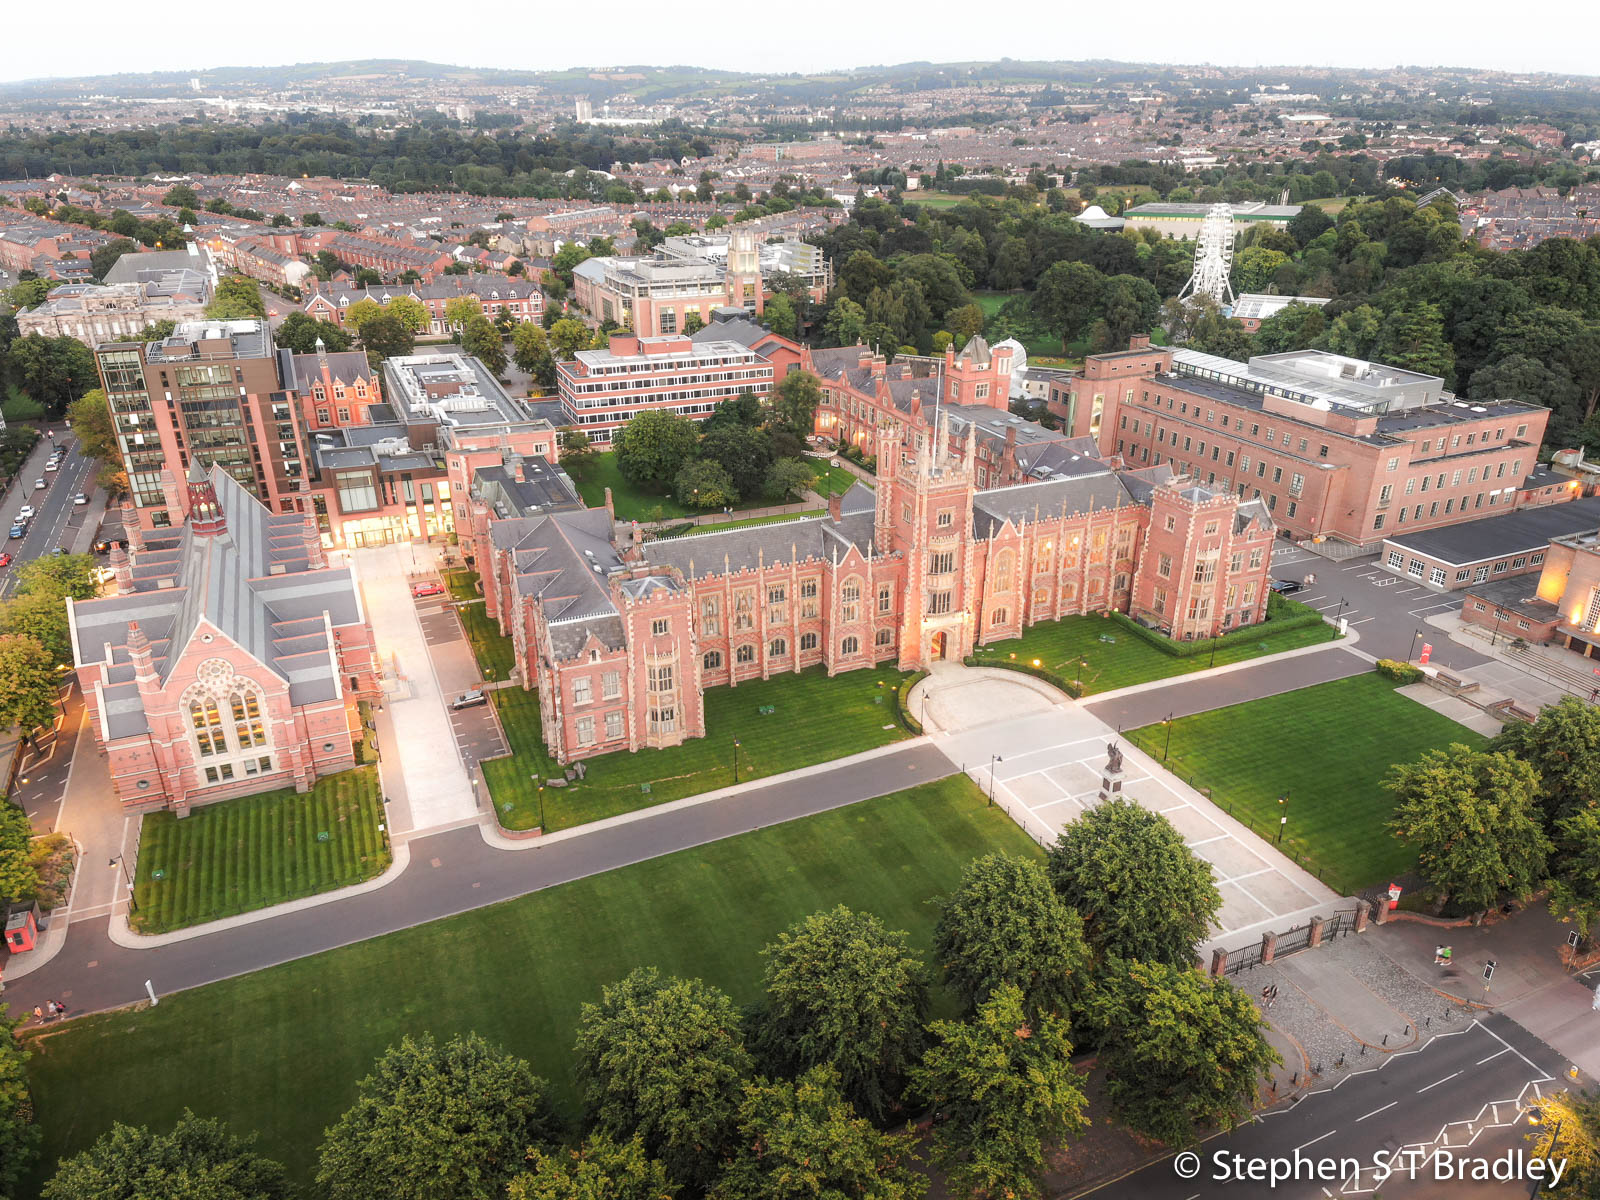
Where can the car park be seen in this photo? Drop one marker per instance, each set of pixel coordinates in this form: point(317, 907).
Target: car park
point(1287, 587)
point(469, 700)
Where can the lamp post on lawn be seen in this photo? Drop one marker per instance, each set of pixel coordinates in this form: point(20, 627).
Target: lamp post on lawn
point(993, 758)
point(133, 905)
point(538, 787)
point(1340, 613)
point(1166, 746)
point(1283, 820)
point(736, 760)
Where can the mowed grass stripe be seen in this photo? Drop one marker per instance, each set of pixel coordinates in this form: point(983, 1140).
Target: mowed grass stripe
point(243, 854)
point(1328, 748)
point(280, 1051)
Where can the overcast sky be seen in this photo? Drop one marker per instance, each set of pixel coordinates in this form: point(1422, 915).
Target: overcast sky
point(106, 37)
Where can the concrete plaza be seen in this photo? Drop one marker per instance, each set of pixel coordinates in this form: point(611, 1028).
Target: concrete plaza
point(1041, 756)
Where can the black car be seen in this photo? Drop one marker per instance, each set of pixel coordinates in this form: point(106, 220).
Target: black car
point(1287, 587)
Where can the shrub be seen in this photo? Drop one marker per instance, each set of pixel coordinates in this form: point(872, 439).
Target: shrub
point(1010, 664)
point(1400, 672)
point(903, 695)
point(1283, 615)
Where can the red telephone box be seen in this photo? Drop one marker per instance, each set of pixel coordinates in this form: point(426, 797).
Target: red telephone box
point(22, 931)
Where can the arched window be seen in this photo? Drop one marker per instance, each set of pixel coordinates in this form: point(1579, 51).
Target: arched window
point(227, 722)
point(1002, 571)
point(850, 645)
point(248, 729)
point(808, 641)
point(778, 648)
point(1121, 583)
point(745, 654)
point(713, 660)
point(207, 723)
point(850, 600)
point(885, 636)
point(1000, 616)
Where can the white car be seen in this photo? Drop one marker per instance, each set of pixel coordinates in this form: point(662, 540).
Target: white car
point(52, 465)
point(81, 498)
point(26, 514)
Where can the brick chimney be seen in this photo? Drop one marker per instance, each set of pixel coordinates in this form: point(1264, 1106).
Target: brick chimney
point(836, 506)
point(315, 559)
point(123, 568)
point(1139, 341)
point(130, 525)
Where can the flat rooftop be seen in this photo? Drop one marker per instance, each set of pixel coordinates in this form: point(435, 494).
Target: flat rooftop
point(1520, 532)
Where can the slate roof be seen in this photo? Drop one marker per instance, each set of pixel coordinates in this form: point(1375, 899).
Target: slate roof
point(252, 582)
point(1523, 530)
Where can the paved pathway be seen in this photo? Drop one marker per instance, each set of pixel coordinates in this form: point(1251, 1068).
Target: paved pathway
point(1043, 760)
point(450, 873)
point(436, 788)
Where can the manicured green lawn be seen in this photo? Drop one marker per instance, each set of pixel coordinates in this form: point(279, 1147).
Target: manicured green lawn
point(255, 851)
point(814, 719)
point(495, 652)
point(280, 1051)
point(1061, 646)
point(1328, 748)
point(832, 480)
point(19, 406)
point(463, 585)
point(635, 504)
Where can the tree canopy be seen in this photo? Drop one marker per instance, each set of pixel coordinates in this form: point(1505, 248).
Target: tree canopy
point(599, 1169)
point(1141, 892)
point(198, 1159)
point(653, 447)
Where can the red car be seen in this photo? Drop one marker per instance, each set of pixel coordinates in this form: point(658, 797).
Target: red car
point(427, 589)
point(5, 559)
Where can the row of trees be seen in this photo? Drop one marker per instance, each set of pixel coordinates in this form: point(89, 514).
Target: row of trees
point(742, 452)
point(808, 1092)
point(1521, 815)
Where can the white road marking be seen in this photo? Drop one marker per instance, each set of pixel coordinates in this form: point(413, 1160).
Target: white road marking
point(1437, 1082)
point(1376, 1111)
point(1315, 1140)
point(1496, 1054)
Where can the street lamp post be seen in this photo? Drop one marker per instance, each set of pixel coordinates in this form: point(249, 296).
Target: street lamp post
point(133, 905)
point(1340, 613)
point(1415, 634)
point(1534, 1116)
point(993, 758)
point(1166, 746)
point(736, 760)
point(1499, 615)
point(1283, 821)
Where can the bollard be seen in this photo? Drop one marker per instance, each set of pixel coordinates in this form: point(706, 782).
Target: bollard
point(1386, 1039)
point(1427, 1023)
point(1407, 1032)
point(1340, 1063)
point(1295, 1082)
point(1363, 1053)
point(1317, 1070)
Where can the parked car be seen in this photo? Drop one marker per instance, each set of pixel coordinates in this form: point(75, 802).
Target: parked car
point(5, 558)
point(18, 530)
point(52, 465)
point(427, 589)
point(81, 498)
point(26, 513)
point(39, 485)
point(1287, 587)
point(469, 700)
point(103, 546)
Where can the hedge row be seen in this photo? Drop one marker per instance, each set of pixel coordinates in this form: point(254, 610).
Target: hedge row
point(1008, 664)
point(1400, 672)
point(1283, 614)
point(902, 697)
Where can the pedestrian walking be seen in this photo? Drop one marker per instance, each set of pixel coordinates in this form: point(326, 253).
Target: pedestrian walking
point(38, 1013)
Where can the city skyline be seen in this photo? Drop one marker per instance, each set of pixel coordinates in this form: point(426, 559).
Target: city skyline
point(942, 33)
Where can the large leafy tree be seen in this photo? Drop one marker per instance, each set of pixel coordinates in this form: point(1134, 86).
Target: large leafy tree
point(846, 323)
point(568, 336)
point(576, 451)
point(844, 991)
point(55, 371)
point(410, 312)
point(237, 296)
point(1181, 1050)
point(461, 309)
point(482, 340)
point(1569, 1128)
point(1005, 1089)
point(1473, 819)
point(653, 446)
point(58, 575)
point(27, 684)
point(1141, 892)
point(794, 403)
point(198, 1160)
point(665, 1059)
point(702, 483)
point(1004, 924)
point(19, 1136)
point(18, 878)
point(91, 422)
point(103, 258)
point(437, 1122)
point(787, 478)
point(386, 336)
point(300, 331)
point(779, 315)
point(1563, 746)
point(1575, 882)
point(600, 1169)
point(530, 350)
point(803, 1140)
point(744, 453)
point(42, 618)
point(1068, 296)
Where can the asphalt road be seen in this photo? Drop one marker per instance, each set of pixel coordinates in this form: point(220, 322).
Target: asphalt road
point(1388, 611)
point(47, 529)
point(1466, 1088)
point(449, 873)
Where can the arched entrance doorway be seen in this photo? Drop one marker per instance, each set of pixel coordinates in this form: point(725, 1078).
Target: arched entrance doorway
point(936, 647)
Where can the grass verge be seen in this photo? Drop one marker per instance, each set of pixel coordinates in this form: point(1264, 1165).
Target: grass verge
point(496, 653)
point(1327, 748)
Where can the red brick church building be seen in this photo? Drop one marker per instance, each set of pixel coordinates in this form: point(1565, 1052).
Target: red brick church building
point(621, 639)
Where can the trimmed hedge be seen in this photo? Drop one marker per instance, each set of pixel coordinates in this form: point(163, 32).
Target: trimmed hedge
point(901, 697)
point(1282, 614)
point(1400, 672)
point(1044, 673)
